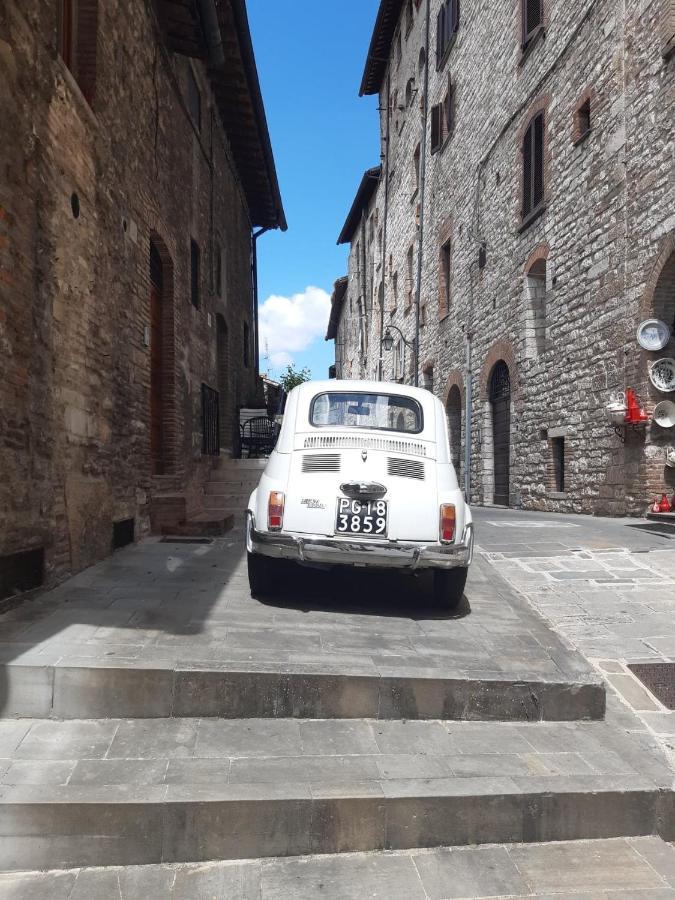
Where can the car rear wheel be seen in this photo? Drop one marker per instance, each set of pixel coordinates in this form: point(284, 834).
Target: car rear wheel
point(449, 586)
point(262, 573)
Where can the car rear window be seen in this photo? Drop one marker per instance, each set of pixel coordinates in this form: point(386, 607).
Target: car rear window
point(384, 412)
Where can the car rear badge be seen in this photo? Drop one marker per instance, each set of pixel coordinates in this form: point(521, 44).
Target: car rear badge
point(364, 455)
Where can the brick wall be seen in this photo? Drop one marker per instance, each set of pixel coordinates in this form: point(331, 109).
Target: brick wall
point(75, 290)
point(600, 247)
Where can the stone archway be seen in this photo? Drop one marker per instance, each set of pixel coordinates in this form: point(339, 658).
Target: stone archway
point(500, 412)
point(658, 302)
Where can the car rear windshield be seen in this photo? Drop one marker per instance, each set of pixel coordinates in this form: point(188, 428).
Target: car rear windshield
point(384, 412)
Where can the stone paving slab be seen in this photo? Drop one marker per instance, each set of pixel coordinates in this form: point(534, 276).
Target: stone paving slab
point(619, 869)
point(166, 629)
point(144, 791)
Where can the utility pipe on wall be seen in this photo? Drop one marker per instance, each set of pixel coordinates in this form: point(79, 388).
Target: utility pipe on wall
point(423, 172)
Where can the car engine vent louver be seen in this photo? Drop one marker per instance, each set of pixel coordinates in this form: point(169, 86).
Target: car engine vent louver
point(360, 442)
point(405, 468)
point(321, 462)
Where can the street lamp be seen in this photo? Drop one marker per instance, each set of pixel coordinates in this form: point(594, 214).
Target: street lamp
point(388, 339)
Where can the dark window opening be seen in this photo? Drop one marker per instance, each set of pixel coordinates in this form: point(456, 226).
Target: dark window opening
point(194, 273)
point(194, 99)
point(123, 533)
point(77, 22)
point(408, 17)
point(582, 121)
point(210, 421)
point(445, 278)
point(447, 24)
point(533, 166)
point(533, 19)
point(449, 109)
point(416, 165)
point(558, 454)
point(436, 127)
point(22, 571)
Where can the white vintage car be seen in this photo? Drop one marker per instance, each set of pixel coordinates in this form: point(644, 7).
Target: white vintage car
point(361, 476)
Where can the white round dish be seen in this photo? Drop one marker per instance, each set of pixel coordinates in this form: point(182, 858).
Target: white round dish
point(653, 334)
point(664, 414)
point(662, 374)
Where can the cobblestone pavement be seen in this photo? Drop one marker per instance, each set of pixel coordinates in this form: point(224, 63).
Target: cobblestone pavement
point(607, 586)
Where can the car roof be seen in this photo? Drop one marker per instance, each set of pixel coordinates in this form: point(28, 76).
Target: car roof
point(372, 387)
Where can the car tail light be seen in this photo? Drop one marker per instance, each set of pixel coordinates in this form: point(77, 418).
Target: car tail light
point(447, 523)
point(275, 511)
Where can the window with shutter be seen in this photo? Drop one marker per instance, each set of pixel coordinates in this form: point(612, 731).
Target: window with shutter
point(440, 35)
point(436, 127)
point(447, 25)
point(449, 108)
point(77, 37)
point(533, 19)
point(533, 166)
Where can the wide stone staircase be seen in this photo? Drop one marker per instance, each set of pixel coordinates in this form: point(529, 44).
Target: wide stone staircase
point(155, 715)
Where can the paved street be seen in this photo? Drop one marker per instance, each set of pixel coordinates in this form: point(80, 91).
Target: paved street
point(606, 585)
point(157, 717)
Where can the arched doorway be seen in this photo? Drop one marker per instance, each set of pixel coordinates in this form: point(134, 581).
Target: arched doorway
point(156, 361)
point(222, 362)
point(500, 403)
point(453, 410)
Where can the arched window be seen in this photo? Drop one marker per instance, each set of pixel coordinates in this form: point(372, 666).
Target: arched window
point(533, 166)
point(535, 309)
point(409, 91)
point(422, 60)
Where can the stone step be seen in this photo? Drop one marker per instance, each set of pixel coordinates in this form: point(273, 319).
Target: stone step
point(226, 464)
point(74, 687)
point(233, 481)
point(209, 522)
point(637, 867)
point(108, 792)
point(227, 493)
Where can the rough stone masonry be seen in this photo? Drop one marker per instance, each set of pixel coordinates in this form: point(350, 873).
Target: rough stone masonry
point(551, 299)
point(125, 175)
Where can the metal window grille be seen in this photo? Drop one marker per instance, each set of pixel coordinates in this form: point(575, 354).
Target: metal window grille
point(210, 421)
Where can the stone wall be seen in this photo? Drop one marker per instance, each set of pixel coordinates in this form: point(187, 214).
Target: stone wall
point(559, 298)
point(85, 188)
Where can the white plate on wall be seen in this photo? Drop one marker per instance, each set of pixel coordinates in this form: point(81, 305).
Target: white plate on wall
point(653, 334)
point(662, 374)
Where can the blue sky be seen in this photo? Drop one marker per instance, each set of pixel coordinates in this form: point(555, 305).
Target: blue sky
point(310, 59)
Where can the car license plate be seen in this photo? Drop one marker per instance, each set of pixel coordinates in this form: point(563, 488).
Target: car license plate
point(361, 517)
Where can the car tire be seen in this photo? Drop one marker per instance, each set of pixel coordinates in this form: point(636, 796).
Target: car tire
point(261, 575)
point(449, 586)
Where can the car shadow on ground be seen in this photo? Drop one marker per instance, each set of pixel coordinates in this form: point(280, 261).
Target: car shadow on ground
point(358, 591)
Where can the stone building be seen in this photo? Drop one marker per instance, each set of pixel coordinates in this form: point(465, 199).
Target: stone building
point(521, 228)
point(135, 163)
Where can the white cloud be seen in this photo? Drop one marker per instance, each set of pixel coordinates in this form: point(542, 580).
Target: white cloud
point(289, 325)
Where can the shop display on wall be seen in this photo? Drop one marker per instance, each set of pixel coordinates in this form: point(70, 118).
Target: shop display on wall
point(664, 414)
point(662, 374)
point(653, 334)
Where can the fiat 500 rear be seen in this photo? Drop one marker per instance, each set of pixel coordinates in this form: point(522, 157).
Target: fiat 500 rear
point(361, 475)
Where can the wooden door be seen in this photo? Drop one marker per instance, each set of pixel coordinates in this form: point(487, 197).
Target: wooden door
point(156, 373)
point(500, 398)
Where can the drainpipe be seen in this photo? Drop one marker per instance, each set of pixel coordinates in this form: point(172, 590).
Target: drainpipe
point(209, 16)
point(380, 367)
point(254, 278)
point(468, 416)
point(423, 173)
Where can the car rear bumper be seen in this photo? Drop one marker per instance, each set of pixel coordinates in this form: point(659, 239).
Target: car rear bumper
point(311, 549)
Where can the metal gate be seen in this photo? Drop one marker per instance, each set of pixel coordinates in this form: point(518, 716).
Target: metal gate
point(500, 399)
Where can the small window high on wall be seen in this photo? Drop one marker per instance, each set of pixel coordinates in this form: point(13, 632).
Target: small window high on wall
point(77, 22)
point(533, 20)
point(533, 166)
